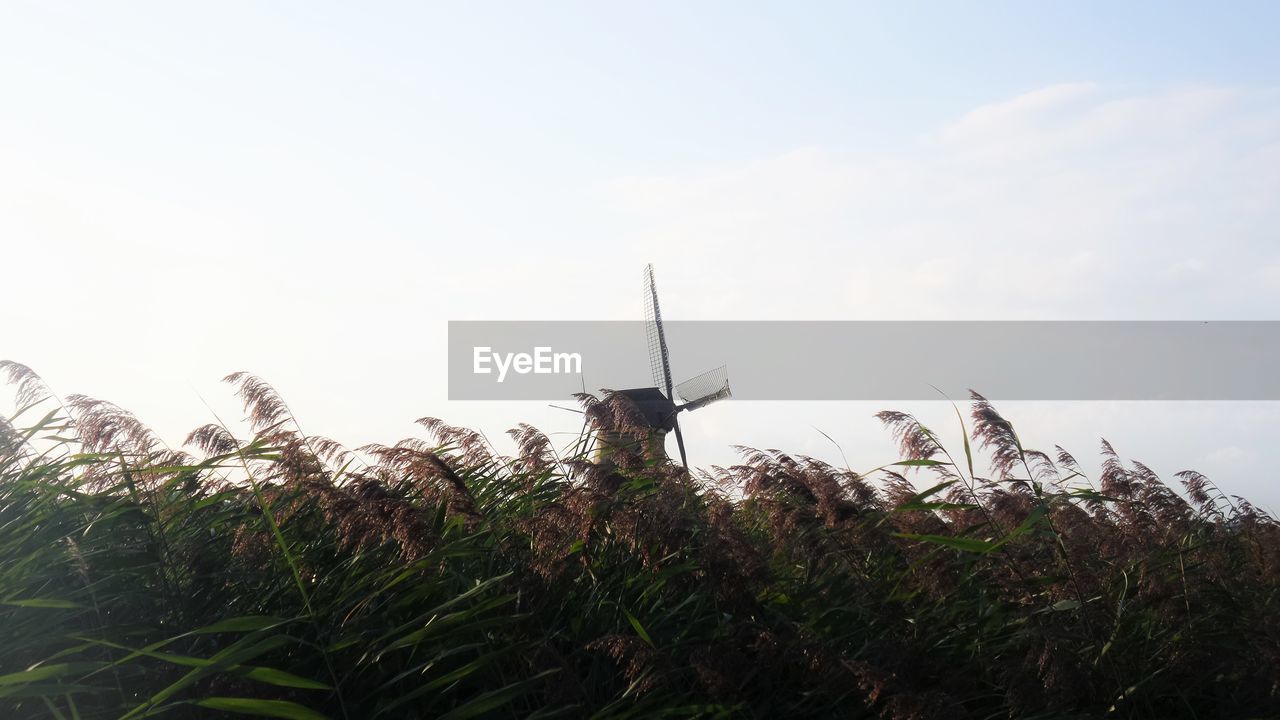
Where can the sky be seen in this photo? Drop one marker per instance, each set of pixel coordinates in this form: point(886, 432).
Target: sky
point(311, 191)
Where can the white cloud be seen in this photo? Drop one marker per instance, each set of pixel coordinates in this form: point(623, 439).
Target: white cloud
point(1070, 201)
point(1025, 114)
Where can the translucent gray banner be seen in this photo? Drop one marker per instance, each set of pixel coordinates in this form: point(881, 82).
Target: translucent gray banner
point(819, 360)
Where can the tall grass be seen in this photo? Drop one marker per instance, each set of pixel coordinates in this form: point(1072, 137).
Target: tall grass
point(282, 575)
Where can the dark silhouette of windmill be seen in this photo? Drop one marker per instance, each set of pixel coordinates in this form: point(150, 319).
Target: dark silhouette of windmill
point(657, 405)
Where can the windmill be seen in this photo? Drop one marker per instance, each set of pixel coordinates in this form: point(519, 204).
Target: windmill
point(658, 404)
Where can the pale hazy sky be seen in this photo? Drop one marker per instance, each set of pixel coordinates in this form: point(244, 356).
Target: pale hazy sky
point(310, 191)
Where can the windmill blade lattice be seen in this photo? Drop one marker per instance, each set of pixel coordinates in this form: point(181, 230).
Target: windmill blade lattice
point(704, 389)
point(659, 359)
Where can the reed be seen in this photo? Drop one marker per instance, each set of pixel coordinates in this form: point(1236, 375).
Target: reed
point(284, 575)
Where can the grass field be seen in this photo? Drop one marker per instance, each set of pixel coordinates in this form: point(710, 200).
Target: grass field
point(283, 575)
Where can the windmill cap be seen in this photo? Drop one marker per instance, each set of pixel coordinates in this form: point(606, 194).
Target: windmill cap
point(658, 409)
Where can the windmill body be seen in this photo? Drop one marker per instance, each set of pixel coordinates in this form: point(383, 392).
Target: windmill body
point(658, 413)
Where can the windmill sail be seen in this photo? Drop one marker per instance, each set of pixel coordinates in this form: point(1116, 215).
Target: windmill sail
point(659, 359)
point(704, 389)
